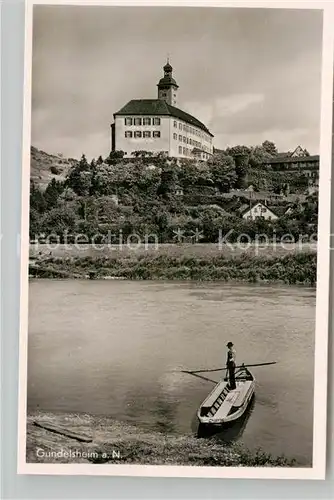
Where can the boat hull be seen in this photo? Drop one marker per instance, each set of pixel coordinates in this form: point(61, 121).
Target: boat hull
point(224, 406)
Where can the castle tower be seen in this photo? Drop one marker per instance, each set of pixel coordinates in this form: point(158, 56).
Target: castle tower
point(167, 86)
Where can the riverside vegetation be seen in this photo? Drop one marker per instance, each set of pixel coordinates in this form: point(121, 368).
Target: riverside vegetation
point(296, 268)
point(177, 202)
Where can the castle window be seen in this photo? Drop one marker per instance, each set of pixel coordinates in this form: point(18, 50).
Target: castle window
point(156, 133)
point(175, 137)
point(184, 151)
point(184, 127)
point(156, 121)
point(146, 121)
point(180, 126)
point(128, 133)
point(175, 123)
point(137, 121)
point(184, 139)
point(137, 133)
point(128, 121)
point(187, 140)
point(180, 150)
point(146, 133)
point(180, 138)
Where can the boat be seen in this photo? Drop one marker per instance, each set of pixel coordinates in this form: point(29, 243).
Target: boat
point(224, 405)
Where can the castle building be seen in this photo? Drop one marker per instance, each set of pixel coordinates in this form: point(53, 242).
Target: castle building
point(158, 125)
point(298, 161)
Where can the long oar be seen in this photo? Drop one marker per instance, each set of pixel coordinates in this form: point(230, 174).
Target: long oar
point(240, 366)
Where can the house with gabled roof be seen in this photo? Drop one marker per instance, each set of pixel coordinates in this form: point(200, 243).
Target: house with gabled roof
point(259, 211)
point(158, 125)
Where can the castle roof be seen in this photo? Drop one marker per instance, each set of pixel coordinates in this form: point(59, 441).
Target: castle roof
point(159, 107)
point(167, 80)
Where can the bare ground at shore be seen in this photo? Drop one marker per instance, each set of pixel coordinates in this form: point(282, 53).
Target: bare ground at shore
point(116, 442)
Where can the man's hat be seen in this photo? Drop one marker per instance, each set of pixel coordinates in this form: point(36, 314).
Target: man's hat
point(229, 344)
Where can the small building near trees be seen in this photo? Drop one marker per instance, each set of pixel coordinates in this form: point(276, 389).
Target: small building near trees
point(259, 211)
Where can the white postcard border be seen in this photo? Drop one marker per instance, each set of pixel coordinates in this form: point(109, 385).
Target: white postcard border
point(317, 471)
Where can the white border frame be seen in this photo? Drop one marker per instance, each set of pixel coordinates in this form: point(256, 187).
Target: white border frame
point(317, 471)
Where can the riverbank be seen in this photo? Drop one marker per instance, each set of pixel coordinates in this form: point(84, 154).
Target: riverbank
point(298, 268)
point(104, 440)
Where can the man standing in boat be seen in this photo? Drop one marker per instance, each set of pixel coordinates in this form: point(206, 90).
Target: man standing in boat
point(230, 365)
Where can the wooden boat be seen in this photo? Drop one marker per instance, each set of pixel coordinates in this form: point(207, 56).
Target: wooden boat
point(224, 405)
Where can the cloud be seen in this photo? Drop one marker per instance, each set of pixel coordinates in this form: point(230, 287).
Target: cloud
point(222, 107)
point(245, 73)
point(236, 103)
point(285, 140)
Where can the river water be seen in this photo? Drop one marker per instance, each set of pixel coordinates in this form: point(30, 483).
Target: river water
point(114, 347)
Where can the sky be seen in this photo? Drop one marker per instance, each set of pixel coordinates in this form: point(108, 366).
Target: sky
point(249, 74)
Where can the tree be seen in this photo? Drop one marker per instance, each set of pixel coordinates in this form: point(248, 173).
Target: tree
point(67, 195)
point(168, 181)
point(34, 223)
point(142, 154)
point(258, 157)
point(241, 155)
point(58, 220)
point(80, 177)
point(37, 198)
point(270, 148)
point(114, 156)
point(223, 171)
point(52, 192)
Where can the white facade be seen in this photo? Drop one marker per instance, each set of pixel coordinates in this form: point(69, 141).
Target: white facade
point(259, 211)
point(157, 125)
point(161, 134)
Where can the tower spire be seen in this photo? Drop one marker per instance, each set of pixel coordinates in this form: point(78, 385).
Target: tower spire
point(167, 86)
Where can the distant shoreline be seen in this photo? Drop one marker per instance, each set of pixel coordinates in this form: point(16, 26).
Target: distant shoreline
point(114, 442)
point(182, 263)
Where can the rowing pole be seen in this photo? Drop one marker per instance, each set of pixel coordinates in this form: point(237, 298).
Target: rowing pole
point(219, 369)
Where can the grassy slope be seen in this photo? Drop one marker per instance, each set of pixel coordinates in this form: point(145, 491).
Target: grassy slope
point(41, 163)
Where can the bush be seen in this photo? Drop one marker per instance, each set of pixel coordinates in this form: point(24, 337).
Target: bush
point(54, 170)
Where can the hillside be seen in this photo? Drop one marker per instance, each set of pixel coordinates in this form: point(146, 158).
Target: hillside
point(45, 167)
point(174, 200)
